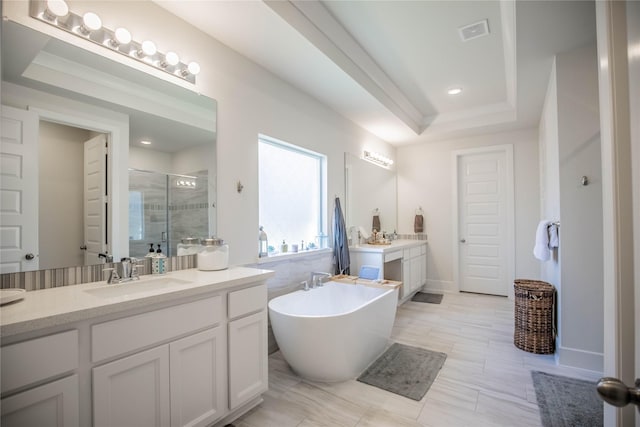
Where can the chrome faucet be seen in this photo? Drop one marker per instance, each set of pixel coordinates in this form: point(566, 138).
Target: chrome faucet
point(128, 271)
point(107, 257)
point(318, 275)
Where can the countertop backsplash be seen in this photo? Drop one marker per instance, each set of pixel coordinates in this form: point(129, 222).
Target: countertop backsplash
point(67, 276)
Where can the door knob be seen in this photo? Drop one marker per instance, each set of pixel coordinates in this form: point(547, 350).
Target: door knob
point(29, 256)
point(463, 240)
point(616, 393)
point(83, 247)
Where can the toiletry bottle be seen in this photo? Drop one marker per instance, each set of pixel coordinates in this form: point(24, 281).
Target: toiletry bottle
point(262, 243)
point(159, 262)
point(283, 247)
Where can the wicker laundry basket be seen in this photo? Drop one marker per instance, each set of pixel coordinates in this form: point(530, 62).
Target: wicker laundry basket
point(535, 329)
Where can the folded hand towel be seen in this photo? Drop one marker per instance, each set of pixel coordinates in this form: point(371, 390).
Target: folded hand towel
point(541, 248)
point(418, 224)
point(376, 223)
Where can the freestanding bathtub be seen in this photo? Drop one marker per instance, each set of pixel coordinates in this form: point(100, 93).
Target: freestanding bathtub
point(332, 333)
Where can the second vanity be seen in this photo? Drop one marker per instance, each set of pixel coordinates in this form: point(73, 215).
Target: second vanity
point(186, 348)
point(403, 261)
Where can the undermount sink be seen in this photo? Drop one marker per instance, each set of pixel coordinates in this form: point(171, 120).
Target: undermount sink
point(135, 287)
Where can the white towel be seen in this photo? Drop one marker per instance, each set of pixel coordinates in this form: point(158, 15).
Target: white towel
point(541, 249)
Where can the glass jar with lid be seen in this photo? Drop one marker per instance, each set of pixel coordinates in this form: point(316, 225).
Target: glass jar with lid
point(213, 254)
point(189, 246)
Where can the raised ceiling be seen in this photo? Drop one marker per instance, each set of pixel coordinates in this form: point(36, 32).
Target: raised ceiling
point(387, 65)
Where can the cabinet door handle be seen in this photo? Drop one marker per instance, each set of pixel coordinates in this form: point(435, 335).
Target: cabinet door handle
point(29, 256)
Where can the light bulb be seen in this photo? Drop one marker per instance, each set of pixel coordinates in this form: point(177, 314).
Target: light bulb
point(55, 9)
point(123, 36)
point(454, 91)
point(193, 67)
point(149, 48)
point(172, 58)
point(90, 22)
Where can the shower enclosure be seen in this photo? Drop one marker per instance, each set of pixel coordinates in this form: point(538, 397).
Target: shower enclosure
point(165, 208)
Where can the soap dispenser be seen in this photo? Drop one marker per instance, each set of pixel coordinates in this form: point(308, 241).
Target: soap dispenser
point(151, 253)
point(284, 247)
point(159, 262)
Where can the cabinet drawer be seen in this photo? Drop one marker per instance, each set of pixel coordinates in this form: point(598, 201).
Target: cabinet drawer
point(38, 359)
point(131, 333)
point(247, 301)
point(392, 256)
point(412, 252)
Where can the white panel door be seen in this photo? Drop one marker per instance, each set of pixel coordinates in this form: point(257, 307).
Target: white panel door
point(247, 358)
point(18, 190)
point(95, 199)
point(482, 230)
point(198, 378)
point(133, 391)
point(55, 404)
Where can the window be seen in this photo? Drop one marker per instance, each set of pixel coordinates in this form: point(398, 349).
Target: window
point(292, 195)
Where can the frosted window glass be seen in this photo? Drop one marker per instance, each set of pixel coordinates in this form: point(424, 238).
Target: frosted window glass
point(291, 194)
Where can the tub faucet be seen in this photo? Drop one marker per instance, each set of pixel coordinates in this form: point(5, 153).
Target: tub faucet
point(318, 275)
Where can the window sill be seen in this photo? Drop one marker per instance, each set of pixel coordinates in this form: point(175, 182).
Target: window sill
point(292, 255)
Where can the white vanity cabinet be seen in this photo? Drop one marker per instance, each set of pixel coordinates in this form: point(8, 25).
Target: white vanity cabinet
point(414, 269)
point(42, 368)
point(404, 261)
point(176, 384)
point(180, 383)
point(193, 355)
point(248, 370)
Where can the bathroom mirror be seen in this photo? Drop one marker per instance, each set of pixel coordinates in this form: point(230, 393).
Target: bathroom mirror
point(82, 101)
point(369, 187)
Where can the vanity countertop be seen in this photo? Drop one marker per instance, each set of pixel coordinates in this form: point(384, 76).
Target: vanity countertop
point(58, 306)
point(394, 246)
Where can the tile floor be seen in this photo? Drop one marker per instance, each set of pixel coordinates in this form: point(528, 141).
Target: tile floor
point(485, 381)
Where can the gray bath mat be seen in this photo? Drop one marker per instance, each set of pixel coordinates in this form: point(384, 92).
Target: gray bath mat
point(427, 297)
point(567, 402)
point(404, 370)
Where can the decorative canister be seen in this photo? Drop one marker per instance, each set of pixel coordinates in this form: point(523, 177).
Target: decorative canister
point(213, 254)
point(189, 246)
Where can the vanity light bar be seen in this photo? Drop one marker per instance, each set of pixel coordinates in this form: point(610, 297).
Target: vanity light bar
point(376, 158)
point(89, 27)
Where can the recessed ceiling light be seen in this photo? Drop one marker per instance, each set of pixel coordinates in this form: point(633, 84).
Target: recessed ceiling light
point(454, 91)
point(143, 142)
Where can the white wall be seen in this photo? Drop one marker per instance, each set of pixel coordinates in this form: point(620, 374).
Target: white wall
point(61, 200)
point(550, 174)
point(581, 292)
point(425, 179)
point(149, 160)
point(251, 101)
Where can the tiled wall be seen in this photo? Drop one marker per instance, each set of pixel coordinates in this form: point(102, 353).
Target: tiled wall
point(55, 277)
point(420, 236)
point(289, 273)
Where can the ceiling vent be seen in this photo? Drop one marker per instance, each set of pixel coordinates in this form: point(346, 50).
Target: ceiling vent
point(475, 30)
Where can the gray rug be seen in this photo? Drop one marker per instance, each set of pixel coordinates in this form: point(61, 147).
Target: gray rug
point(427, 297)
point(404, 370)
point(567, 402)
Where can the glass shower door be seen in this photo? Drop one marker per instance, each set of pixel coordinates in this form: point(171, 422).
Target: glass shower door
point(148, 212)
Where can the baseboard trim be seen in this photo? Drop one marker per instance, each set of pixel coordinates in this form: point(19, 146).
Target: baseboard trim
point(441, 286)
point(582, 359)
